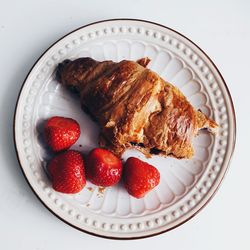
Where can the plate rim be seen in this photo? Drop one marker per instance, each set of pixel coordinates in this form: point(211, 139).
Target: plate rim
point(233, 124)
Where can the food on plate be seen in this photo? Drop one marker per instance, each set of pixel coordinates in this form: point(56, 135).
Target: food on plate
point(134, 106)
point(139, 177)
point(61, 133)
point(103, 168)
point(67, 172)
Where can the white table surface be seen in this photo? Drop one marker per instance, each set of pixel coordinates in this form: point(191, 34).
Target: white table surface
point(221, 28)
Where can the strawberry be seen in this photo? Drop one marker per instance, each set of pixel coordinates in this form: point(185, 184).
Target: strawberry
point(139, 177)
point(103, 168)
point(61, 133)
point(67, 172)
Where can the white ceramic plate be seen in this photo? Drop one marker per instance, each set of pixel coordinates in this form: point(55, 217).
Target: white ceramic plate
point(186, 185)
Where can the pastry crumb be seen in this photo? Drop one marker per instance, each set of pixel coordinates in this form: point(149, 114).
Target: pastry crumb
point(101, 190)
point(90, 189)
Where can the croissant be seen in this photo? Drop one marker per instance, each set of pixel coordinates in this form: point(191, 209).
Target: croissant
point(134, 107)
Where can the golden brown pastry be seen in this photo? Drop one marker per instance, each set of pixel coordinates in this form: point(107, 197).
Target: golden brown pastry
point(134, 106)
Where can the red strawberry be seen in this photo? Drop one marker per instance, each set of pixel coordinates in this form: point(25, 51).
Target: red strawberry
point(139, 177)
point(61, 133)
point(67, 172)
point(103, 168)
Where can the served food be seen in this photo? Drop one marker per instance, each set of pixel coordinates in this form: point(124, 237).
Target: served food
point(134, 107)
point(61, 133)
point(67, 172)
point(139, 177)
point(103, 168)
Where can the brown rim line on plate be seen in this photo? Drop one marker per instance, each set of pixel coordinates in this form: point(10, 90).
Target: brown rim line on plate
point(233, 126)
